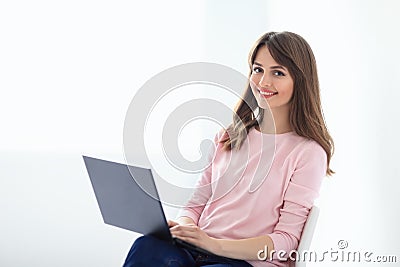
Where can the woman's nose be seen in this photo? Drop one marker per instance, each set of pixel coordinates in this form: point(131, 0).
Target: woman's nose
point(265, 81)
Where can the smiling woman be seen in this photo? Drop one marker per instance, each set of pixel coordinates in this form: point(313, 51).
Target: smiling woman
point(278, 137)
point(272, 86)
point(270, 81)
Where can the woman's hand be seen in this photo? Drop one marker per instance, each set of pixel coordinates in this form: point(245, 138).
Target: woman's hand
point(172, 223)
point(183, 220)
point(194, 235)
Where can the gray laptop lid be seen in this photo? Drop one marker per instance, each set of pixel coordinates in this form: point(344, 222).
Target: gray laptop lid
point(123, 203)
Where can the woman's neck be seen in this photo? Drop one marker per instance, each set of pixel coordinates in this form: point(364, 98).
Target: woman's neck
point(280, 119)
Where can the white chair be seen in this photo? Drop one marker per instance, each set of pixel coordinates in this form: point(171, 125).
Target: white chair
point(307, 234)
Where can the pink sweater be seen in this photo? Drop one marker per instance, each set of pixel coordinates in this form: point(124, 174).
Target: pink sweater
point(253, 192)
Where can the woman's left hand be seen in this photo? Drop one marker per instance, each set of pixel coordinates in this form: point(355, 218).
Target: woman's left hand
point(194, 235)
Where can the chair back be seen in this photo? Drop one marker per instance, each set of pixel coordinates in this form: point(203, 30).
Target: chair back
point(307, 234)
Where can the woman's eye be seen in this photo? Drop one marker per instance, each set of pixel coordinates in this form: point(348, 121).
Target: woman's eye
point(278, 73)
point(257, 70)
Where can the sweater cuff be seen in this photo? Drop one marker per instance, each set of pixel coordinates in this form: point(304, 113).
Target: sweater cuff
point(284, 244)
point(189, 213)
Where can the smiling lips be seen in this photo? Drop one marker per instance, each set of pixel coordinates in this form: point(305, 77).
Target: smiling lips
point(267, 93)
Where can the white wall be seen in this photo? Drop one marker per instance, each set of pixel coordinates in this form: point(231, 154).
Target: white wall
point(68, 72)
point(356, 47)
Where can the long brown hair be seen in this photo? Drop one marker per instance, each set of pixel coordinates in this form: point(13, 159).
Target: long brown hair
point(306, 118)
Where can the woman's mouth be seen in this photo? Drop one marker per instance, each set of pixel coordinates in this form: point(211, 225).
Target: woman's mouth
point(267, 93)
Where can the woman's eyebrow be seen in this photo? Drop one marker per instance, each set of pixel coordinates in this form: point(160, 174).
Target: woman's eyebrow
point(272, 67)
point(278, 67)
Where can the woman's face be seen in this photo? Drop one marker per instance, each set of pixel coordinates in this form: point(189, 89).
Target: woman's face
point(270, 82)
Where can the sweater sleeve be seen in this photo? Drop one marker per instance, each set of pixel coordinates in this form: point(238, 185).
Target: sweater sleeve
point(302, 190)
point(203, 189)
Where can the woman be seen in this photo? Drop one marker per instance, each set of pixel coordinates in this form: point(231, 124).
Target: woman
point(247, 205)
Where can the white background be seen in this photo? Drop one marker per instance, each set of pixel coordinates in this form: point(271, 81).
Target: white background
point(69, 69)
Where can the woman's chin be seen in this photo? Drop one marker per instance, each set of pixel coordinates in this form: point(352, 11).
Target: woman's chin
point(263, 104)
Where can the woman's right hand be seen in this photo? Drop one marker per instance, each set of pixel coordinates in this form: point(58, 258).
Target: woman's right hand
point(172, 223)
point(181, 221)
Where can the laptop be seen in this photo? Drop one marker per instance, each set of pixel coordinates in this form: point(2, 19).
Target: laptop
point(126, 204)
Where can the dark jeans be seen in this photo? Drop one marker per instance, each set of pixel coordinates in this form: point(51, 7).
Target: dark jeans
point(152, 252)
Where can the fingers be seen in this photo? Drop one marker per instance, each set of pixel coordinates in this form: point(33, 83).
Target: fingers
point(189, 228)
point(172, 223)
point(190, 231)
